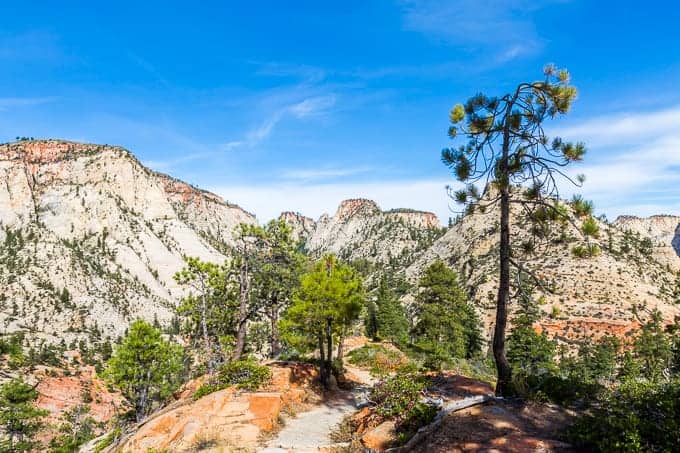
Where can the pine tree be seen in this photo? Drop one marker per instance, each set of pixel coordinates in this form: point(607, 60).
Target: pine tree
point(653, 349)
point(278, 276)
point(528, 350)
point(19, 418)
point(371, 321)
point(76, 428)
point(390, 315)
point(446, 324)
point(328, 301)
point(145, 367)
point(507, 147)
point(208, 311)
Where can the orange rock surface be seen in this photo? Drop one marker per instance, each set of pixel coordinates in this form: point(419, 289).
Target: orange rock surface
point(582, 328)
point(59, 393)
point(381, 437)
point(225, 418)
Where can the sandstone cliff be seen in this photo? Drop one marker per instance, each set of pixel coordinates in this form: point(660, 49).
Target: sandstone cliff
point(91, 238)
point(590, 296)
point(663, 230)
point(359, 229)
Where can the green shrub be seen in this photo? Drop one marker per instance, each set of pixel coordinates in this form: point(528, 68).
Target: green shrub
point(586, 251)
point(380, 360)
point(635, 417)
point(554, 388)
point(207, 389)
point(108, 440)
point(245, 374)
point(581, 207)
point(589, 227)
point(398, 398)
point(422, 414)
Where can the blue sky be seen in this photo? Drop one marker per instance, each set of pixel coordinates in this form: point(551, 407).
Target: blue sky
point(298, 105)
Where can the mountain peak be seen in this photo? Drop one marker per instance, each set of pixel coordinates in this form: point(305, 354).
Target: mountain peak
point(353, 206)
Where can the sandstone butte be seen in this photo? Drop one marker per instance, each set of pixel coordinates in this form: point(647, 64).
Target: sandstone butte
point(227, 418)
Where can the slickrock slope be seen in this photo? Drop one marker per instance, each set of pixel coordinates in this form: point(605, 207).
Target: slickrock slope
point(91, 239)
point(664, 230)
point(360, 230)
point(592, 296)
point(224, 420)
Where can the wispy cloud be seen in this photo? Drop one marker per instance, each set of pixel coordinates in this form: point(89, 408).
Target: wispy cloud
point(633, 163)
point(8, 103)
point(503, 27)
point(315, 199)
point(311, 174)
point(309, 107)
point(624, 128)
point(314, 106)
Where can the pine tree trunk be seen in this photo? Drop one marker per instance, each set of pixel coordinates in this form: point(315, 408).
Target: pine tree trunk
point(322, 361)
point(341, 344)
point(242, 312)
point(503, 385)
point(204, 328)
point(274, 343)
point(504, 382)
point(329, 344)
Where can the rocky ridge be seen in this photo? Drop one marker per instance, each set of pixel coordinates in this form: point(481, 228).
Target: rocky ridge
point(590, 296)
point(664, 231)
point(359, 229)
point(91, 238)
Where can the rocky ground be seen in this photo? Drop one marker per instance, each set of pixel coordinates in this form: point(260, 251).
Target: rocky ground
point(500, 426)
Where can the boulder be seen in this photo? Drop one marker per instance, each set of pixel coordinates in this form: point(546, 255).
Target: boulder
point(381, 437)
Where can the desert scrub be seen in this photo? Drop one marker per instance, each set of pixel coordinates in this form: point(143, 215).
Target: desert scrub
point(244, 374)
point(108, 440)
point(380, 360)
point(635, 417)
point(398, 398)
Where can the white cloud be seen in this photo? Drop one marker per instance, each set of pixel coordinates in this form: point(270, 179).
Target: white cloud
point(624, 128)
point(502, 26)
point(633, 162)
point(14, 102)
point(309, 174)
point(313, 106)
point(312, 200)
point(306, 108)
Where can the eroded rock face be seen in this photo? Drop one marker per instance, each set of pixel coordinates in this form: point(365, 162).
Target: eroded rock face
point(360, 230)
point(592, 295)
point(663, 230)
point(302, 226)
point(58, 393)
point(227, 418)
point(91, 220)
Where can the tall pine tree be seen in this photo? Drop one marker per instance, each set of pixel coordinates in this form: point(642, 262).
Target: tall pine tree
point(507, 147)
point(446, 326)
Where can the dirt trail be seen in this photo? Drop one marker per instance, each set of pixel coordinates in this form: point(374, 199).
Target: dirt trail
point(310, 431)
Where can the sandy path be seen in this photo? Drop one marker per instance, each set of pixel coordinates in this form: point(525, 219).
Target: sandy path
point(311, 430)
